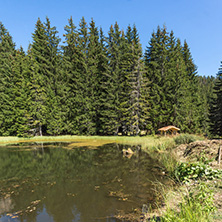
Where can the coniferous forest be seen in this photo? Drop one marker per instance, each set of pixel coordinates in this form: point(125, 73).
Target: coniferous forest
point(103, 84)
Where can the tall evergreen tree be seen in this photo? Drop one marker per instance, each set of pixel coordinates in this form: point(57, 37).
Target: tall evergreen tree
point(205, 90)
point(38, 71)
point(21, 94)
point(7, 54)
point(193, 116)
point(110, 115)
point(178, 90)
point(47, 80)
point(136, 103)
point(173, 95)
point(156, 60)
point(216, 106)
point(102, 80)
point(95, 71)
point(83, 56)
point(56, 82)
point(72, 59)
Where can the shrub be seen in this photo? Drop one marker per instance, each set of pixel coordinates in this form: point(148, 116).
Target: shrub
point(184, 139)
point(186, 172)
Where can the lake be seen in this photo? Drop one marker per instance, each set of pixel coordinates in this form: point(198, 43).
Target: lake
point(56, 182)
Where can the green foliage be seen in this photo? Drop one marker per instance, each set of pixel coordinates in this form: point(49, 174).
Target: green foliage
point(187, 172)
point(184, 139)
point(216, 106)
point(173, 86)
point(94, 84)
point(196, 206)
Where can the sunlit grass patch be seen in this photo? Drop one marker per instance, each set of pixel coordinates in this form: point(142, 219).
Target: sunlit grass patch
point(146, 141)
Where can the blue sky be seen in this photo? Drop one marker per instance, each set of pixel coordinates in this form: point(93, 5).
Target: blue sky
point(197, 21)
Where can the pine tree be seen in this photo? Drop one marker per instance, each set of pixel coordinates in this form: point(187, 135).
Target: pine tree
point(56, 82)
point(7, 53)
point(72, 57)
point(102, 79)
point(177, 91)
point(92, 78)
point(216, 106)
point(48, 93)
point(116, 84)
point(193, 117)
point(173, 90)
point(110, 112)
point(205, 90)
point(82, 55)
point(88, 40)
point(38, 70)
point(21, 95)
point(136, 102)
point(156, 59)
point(97, 69)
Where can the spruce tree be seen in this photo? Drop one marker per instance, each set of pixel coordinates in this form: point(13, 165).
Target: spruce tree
point(110, 117)
point(21, 95)
point(156, 59)
point(56, 82)
point(48, 87)
point(102, 79)
point(205, 90)
point(38, 71)
point(136, 103)
point(216, 106)
point(97, 68)
point(7, 54)
point(72, 57)
point(88, 41)
point(194, 115)
point(178, 82)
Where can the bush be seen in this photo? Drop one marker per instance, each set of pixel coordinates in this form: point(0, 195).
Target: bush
point(184, 139)
point(196, 206)
point(186, 172)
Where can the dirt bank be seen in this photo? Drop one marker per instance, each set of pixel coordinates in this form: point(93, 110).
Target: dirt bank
point(208, 149)
point(195, 150)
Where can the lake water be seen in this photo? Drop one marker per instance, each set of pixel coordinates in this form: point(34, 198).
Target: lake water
point(42, 183)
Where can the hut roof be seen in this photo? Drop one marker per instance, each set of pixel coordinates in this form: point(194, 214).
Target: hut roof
point(168, 128)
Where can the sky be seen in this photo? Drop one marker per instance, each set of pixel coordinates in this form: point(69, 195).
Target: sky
point(199, 22)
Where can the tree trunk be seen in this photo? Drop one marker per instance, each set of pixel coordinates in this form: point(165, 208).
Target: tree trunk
point(40, 130)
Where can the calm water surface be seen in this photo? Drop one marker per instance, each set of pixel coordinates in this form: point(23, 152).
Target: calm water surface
point(41, 183)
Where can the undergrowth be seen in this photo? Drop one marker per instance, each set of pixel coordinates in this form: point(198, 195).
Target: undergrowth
point(196, 206)
point(184, 139)
point(197, 202)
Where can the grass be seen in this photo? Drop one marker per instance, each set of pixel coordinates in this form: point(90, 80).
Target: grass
point(145, 142)
point(196, 204)
point(159, 143)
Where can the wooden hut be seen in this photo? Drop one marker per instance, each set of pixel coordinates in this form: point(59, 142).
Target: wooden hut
point(172, 129)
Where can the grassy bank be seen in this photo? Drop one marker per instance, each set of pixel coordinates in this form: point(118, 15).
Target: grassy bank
point(197, 195)
point(146, 141)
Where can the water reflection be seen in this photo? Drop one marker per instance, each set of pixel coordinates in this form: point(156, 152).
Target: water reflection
point(55, 184)
point(6, 205)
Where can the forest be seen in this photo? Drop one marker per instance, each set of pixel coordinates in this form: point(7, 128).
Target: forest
point(93, 83)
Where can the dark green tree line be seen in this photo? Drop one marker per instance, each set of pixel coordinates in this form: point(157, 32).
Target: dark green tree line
point(94, 84)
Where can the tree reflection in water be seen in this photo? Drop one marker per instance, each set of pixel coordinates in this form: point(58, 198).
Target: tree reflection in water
point(81, 184)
